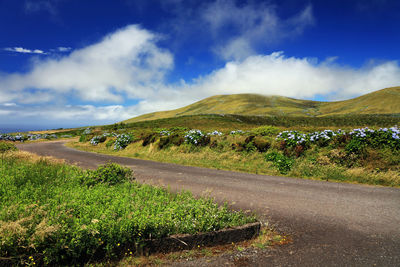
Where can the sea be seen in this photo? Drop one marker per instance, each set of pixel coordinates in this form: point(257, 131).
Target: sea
point(4, 130)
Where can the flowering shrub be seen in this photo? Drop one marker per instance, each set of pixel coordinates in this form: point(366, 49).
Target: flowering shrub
point(23, 137)
point(215, 133)
point(98, 139)
point(122, 141)
point(355, 139)
point(87, 131)
point(236, 132)
point(194, 137)
point(383, 137)
point(165, 133)
point(292, 138)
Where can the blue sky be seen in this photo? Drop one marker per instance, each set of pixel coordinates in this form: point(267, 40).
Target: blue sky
point(67, 63)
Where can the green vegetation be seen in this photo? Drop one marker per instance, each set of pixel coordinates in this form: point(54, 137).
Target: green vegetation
point(53, 213)
point(385, 101)
point(359, 155)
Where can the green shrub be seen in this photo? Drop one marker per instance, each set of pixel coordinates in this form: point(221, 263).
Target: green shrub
point(283, 163)
point(355, 146)
point(261, 144)
point(265, 131)
point(148, 139)
point(110, 143)
point(167, 141)
point(84, 138)
point(6, 146)
point(110, 173)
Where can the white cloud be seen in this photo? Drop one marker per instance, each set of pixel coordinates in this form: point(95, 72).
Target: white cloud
point(64, 49)
point(124, 63)
point(24, 50)
point(247, 27)
point(276, 74)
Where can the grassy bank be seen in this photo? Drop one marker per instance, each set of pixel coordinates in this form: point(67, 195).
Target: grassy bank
point(343, 157)
point(53, 213)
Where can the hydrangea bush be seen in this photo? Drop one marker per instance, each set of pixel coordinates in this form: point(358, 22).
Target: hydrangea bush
point(292, 138)
point(122, 141)
point(357, 138)
point(215, 133)
point(98, 139)
point(194, 137)
point(236, 132)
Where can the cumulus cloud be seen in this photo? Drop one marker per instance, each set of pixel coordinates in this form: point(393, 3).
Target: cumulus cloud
point(24, 50)
point(276, 74)
point(126, 63)
point(249, 26)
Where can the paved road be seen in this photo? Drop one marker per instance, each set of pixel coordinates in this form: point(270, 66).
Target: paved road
point(332, 224)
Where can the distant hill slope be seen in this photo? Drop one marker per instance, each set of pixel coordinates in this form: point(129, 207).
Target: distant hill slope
point(385, 101)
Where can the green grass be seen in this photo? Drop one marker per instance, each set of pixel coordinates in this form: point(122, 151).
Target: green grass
point(384, 101)
point(50, 215)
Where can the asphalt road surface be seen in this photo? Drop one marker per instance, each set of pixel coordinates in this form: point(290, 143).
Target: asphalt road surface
point(332, 224)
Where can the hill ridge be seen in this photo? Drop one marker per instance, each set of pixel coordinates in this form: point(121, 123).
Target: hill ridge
point(384, 101)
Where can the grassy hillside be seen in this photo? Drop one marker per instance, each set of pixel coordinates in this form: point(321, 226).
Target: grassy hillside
point(385, 101)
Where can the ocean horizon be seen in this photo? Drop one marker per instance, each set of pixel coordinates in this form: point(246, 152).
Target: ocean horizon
point(4, 130)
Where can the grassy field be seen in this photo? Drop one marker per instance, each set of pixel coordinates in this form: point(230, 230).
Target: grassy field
point(373, 159)
point(385, 101)
point(53, 213)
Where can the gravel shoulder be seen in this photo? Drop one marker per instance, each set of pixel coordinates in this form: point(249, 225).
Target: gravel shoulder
point(331, 223)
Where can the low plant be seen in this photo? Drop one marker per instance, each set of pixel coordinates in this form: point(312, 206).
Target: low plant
point(110, 173)
point(7, 146)
point(282, 162)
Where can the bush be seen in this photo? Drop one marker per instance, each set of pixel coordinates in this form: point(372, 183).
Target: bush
point(197, 138)
point(166, 141)
point(98, 139)
point(122, 141)
point(148, 139)
point(84, 138)
point(6, 146)
point(283, 163)
point(355, 146)
point(265, 131)
point(110, 143)
point(110, 173)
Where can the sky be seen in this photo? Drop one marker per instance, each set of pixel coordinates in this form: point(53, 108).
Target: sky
point(70, 63)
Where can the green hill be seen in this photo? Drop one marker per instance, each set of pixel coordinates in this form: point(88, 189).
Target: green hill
point(385, 101)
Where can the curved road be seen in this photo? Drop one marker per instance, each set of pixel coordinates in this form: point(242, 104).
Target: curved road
point(332, 224)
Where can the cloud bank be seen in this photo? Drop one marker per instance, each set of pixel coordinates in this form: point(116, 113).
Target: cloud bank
point(129, 64)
